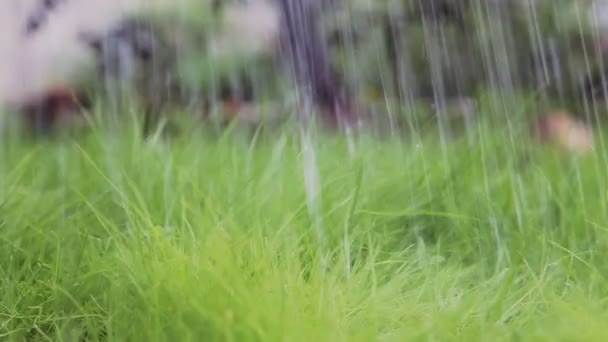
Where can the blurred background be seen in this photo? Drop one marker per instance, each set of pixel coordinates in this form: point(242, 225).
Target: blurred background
point(397, 66)
point(302, 170)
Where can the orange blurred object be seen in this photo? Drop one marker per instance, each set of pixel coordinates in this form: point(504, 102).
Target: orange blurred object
point(562, 129)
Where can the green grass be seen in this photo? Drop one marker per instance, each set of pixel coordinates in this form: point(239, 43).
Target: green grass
point(109, 238)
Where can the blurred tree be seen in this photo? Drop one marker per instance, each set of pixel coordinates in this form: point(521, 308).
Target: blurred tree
point(307, 54)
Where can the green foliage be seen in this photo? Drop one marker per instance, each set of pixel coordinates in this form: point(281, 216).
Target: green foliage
point(208, 237)
point(495, 43)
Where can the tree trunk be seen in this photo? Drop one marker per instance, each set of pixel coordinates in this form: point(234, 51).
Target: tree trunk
point(307, 54)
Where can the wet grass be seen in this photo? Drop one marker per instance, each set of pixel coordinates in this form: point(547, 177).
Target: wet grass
point(107, 238)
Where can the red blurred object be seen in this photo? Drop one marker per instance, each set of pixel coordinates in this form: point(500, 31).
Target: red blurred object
point(59, 105)
point(232, 108)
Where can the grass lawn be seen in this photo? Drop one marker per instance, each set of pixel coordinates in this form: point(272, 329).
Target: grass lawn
point(489, 238)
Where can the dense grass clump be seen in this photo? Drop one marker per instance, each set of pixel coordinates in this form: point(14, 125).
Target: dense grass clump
point(106, 237)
